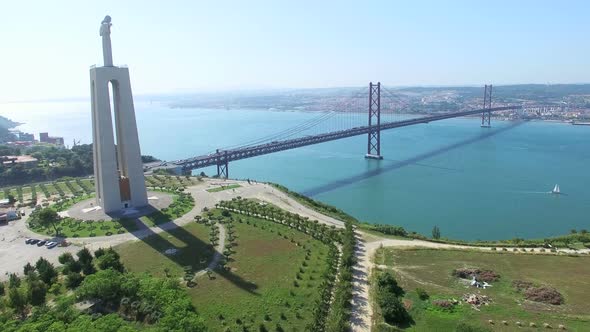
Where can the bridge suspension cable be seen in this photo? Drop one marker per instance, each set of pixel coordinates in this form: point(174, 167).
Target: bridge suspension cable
point(342, 107)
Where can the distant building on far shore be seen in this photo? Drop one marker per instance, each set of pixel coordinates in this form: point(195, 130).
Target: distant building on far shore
point(45, 138)
point(25, 137)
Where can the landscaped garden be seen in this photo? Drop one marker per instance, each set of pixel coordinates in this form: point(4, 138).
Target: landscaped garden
point(278, 271)
point(45, 220)
point(70, 192)
point(528, 291)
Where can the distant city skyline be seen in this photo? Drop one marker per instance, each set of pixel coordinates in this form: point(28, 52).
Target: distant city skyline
point(197, 46)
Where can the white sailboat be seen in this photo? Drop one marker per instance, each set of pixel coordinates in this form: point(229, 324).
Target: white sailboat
point(556, 190)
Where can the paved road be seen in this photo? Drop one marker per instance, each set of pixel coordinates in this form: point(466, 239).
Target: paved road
point(14, 253)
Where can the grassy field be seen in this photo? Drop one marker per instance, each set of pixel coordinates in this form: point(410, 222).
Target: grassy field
point(432, 270)
point(222, 188)
point(147, 255)
point(181, 205)
point(269, 280)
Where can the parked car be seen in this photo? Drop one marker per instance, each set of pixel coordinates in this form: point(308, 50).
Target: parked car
point(52, 244)
point(28, 241)
point(40, 243)
point(34, 241)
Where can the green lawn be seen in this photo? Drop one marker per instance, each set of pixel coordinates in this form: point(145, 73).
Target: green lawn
point(269, 282)
point(431, 270)
point(222, 188)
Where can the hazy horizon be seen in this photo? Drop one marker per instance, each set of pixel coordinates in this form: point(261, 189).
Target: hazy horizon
point(187, 47)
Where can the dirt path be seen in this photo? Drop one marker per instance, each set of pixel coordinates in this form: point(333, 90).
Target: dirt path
point(218, 252)
point(361, 311)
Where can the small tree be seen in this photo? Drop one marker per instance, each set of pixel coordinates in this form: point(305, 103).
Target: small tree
point(436, 232)
point(99, 252)
point(85, 259)
point(65, 258)
point(46, 270)
point(13, 281)
point(28, 268)
point(73, 280)
point(392, 309)
point(17, 299)
point(110, 259)
point(37, 292)
point(48, 217)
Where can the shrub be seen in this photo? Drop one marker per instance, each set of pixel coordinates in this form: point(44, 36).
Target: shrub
point(443, 304)
point(386, 282)
point(422, 294)
point(73, 280)
point(392, 309)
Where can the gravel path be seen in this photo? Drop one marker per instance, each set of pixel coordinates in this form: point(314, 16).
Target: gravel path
point(218, 252)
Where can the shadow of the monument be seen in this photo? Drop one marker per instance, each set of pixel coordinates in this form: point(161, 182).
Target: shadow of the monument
point(402, 163)
point(197, 253)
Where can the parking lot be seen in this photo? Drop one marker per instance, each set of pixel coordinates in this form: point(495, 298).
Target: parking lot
point(15, 253)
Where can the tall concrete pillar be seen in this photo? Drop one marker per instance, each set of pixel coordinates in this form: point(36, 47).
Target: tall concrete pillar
point(118, 171)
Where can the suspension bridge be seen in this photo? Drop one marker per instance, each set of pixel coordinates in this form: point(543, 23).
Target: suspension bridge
point(344, 117)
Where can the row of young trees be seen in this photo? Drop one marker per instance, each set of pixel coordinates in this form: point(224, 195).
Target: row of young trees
point(339, 317)
point(319, 231)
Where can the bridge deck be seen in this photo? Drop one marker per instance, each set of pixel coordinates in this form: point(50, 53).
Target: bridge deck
point(225, 156)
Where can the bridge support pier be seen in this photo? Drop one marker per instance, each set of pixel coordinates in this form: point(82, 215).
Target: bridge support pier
point(374, 137)
point(223, 166)
point(223, 170)
point(486, 116)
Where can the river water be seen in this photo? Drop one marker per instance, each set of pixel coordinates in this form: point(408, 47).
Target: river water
point(474, 183)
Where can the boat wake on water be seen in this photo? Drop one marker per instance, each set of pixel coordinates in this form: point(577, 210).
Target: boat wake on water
point(556, 191)
point(531, 192)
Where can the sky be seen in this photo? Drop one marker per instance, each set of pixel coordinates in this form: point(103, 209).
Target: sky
point(179, 46)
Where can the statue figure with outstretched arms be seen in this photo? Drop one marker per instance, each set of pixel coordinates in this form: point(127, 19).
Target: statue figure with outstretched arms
point(105, 33)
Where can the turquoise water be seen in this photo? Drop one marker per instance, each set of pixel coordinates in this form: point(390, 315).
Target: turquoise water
point(474, 183)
